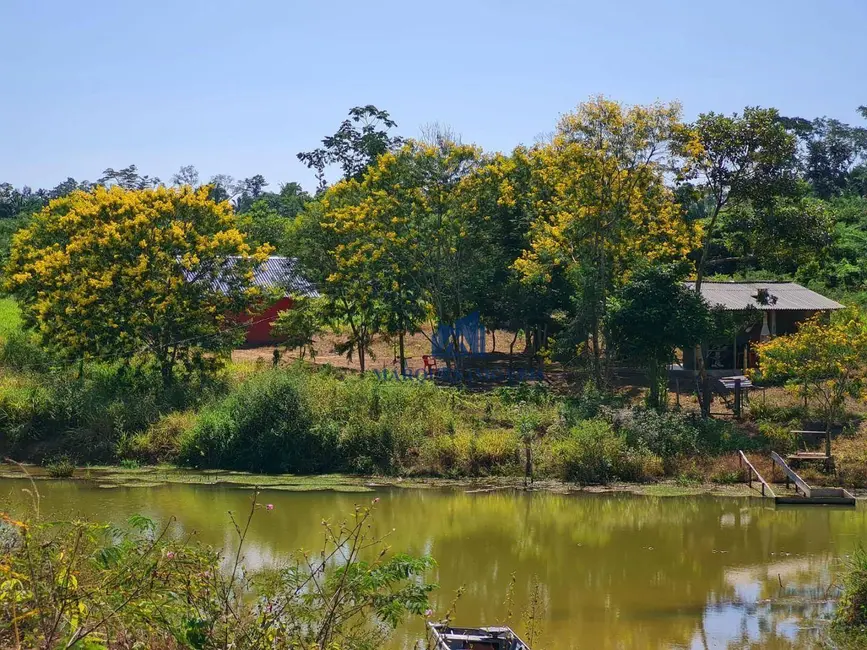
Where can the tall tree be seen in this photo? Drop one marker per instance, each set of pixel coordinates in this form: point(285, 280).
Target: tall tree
point(186, 175)
point(733, 159)
point(604, 204)
point(128, 178)
point(134, 272)
point(502, 194)
point(360, 140)
point(830, 150)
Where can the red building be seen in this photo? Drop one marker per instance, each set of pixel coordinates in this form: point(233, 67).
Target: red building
point(275, 273)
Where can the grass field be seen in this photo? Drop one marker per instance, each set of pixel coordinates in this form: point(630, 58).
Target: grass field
point(10, 317)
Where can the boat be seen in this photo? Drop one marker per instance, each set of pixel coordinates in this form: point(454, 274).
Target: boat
point(475, 638)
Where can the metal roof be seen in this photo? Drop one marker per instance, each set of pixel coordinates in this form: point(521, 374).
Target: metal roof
point(781, 296)
point(274, 273)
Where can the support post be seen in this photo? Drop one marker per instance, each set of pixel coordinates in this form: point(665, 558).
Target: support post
point(738, 394)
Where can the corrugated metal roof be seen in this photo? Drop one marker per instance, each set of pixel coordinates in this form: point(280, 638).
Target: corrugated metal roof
point(781, 296)
point(274, 273)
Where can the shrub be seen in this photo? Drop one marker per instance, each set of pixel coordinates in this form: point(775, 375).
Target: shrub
point(672, 434)
point(852, 609)
point(21, 351)
point(262, 426)
point(61, 467)
point(76, 584)
point(439, 455)
point(592, 453)
point(588, 403)
point(160, 443)
point(90, 413)
point(779, 437)
point(665, 434)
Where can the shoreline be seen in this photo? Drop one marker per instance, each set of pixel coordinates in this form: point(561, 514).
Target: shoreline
point(112, 477)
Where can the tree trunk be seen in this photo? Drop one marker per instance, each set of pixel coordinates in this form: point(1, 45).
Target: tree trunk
point(703, 381)
point(166, 372)
point(828, 436)
point(597, 358)
point(494, 341)
point(402, 354)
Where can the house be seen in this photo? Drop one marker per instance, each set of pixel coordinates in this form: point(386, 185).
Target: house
point(780, 307)
point(275, 273)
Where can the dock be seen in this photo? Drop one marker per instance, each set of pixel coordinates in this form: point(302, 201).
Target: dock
point(798, 491)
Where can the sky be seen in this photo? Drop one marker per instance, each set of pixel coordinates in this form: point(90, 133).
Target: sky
point(240, 88)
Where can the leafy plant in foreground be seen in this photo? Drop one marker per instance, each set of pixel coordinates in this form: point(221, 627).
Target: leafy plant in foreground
point(83, 585)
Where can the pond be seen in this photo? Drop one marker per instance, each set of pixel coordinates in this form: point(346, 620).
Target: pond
point(613, 570)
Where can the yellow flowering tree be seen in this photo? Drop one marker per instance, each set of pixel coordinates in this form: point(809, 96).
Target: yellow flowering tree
point(603, 203)
point(829, 360)
point(118, 273)
point(401, 245)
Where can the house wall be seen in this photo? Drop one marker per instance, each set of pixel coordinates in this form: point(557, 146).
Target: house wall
point(259, 330)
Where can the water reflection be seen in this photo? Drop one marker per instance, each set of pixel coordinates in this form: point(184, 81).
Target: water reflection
point(615, 571)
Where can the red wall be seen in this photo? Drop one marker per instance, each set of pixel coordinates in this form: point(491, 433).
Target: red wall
point(259, 331)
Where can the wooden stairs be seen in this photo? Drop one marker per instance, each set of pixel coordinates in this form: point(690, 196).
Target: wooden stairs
point(795, 491)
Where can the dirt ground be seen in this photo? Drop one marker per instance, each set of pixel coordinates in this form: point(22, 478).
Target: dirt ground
point(385, 353)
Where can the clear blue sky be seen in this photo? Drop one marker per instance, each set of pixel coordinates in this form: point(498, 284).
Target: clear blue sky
point(241, 87)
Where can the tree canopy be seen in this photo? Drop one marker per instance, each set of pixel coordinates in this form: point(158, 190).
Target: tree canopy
point(134, 273)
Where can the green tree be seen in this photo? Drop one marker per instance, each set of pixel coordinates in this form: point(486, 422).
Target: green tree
point(349, 306)
point(128, 178)
point(830, 151)
point(653, 315)
point(357, 143)
point(780, 235)
point(501, 194)
point(186, 175)
point(732, 160)
point(123, 273)
point(299, 325)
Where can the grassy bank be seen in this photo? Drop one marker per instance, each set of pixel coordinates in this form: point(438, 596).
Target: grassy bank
point(303, 420)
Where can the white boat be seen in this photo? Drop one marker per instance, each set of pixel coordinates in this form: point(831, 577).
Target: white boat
point(475, 638)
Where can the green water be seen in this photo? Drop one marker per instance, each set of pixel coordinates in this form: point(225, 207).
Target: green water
point(615, 571)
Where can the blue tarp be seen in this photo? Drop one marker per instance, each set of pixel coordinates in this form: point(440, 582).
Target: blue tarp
point(470, 335)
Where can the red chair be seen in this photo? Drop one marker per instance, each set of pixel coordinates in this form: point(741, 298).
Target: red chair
point(430, 365)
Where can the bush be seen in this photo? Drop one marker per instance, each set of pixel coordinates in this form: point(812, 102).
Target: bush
point(672, 434)
point(852, 609)
point(88, 415)
point(75, 584)
point(589, 403)
point(61, 467)
point(21, 351)
point(262, 426)
point(160, 443)
point(779, 437)
point(592, 453)
point(665, 434)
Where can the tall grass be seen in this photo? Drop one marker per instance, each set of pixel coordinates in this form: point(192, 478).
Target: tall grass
point(316, 421)
point(851, 612)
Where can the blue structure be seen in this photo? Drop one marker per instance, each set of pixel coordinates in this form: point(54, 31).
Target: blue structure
point(467, 331)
